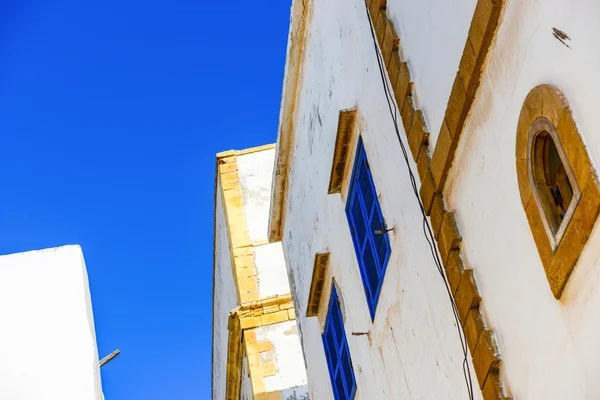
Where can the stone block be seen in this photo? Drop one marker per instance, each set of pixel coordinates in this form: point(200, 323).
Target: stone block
point(250, 322)
point(402, 85)
point(443, 156)
point(449, 238)
point(493, 388)
point(467, 296)
point(394, 69)
point(380, 26)
point(479, 24)
point(467, 65)
point(455, 110)
point(291, 314)
point(486, 358)
point(419, 135)
point(391, 42)
point(374, 8)
point(275, 318)
point(474, 327)
point(427, 192)
point(424, 161)
point(575, 149)
point(438, 210)
point(454, 267)
point(553, 104)
point(408, 112)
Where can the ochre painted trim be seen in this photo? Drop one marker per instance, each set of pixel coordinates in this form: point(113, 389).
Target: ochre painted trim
point(343, 141)
point(242, 320)
point(484, 25)
point(482, 342)
point(233, 375)
point(229, 153)
point(317, 284)
point(268, 311)
point(548, 102)
point(240, 244)
point(252, 312)
point(300, 21)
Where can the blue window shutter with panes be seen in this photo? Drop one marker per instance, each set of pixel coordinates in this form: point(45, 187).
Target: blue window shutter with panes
point(368, 229)
point(337, 352)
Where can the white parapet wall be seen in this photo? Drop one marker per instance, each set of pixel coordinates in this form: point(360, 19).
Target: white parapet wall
point(47, 338)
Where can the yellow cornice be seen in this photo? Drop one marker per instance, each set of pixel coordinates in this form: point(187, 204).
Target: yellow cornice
point(292, 81)
point(234, 359)
point(229, 153)
point(250, 315)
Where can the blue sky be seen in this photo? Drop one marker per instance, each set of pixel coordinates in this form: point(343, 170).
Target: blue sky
point(111, 113)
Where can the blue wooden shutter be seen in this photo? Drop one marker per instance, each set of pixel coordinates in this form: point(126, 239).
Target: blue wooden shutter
point(365, 217)
point(337, 352)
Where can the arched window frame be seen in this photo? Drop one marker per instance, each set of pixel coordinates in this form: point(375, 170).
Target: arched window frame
point(546, 109)
point(543, 126)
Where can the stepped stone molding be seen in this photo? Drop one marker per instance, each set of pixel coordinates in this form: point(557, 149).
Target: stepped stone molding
point(433, 172)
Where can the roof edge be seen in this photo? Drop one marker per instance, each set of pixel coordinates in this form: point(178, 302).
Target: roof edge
point(299, 22)
point(250, 150)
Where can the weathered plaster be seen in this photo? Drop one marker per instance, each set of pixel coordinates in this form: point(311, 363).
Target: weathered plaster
point(413, 334)
point(256, 176)
point(549, 347)
point(244, 259)
point(272, 274)
point(286, 355)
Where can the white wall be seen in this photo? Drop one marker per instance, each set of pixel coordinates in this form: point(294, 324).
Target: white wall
point(256, 174)
point(224, 300)
point(47, 340)
point(246, 391)
point(412, 350)
point(433, 34)
point(550, 347)
point(287, 353)
point(272, 274)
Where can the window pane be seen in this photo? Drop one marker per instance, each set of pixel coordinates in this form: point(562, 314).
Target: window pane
point(371, 269)
point(366, 189)
point(359, 222)
point(339, 383)
point(338, 326)
point(346, 366)
point(331, 347)
point(381, 242)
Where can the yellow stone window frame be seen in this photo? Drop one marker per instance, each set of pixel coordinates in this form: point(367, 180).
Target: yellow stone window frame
point(546, 109)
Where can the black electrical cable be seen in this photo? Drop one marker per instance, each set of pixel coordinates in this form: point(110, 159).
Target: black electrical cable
point(426, 227)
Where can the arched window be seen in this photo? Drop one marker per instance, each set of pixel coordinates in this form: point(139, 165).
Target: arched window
point(558, 185)
point(556, 191)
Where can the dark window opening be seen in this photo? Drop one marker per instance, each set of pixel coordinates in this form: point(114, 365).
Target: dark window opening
point(551, 179)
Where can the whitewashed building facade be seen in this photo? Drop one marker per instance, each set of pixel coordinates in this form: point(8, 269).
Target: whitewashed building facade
point(47, 340)
point(436, 195)
point(256, 346)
